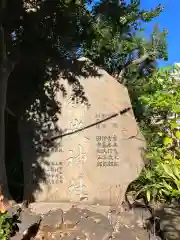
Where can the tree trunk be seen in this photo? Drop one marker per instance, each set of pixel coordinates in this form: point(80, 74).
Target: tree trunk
point(3, 90)
point(5, 70)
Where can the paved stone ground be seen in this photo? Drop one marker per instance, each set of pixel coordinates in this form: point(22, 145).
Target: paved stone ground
point(170, 220)
point(47, 221)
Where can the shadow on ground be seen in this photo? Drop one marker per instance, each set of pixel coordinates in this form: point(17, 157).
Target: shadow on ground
point(170, 221)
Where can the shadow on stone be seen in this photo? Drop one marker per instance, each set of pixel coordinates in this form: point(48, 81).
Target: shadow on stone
point(100, 136)
point(35, 105)
point(169, 221)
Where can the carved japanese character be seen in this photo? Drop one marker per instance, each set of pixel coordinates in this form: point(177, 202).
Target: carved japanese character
point(98, 138)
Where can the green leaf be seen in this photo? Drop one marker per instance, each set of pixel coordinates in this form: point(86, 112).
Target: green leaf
point(174, 124)
point(160, 134)
point(177, 134)
point(167, 186)
point(168, 170)
point(148, 195)
point(167, 141)
point(168, 156)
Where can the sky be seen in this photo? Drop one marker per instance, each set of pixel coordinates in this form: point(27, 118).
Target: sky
point(169, 19)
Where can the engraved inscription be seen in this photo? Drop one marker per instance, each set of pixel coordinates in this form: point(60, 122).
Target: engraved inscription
point(53, 174)
point(107, 152)
point(103, 125)
point(55, 149)
point(76, 185)
point(77, 158)
point(74, 125)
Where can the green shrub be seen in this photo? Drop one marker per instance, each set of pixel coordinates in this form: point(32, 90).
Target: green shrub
point(160, 179)
point(8, 226)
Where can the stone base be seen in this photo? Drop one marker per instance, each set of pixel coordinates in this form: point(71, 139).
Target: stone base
point(45, 207)
point(66, 221)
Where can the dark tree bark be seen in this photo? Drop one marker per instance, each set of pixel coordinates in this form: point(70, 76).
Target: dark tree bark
point(5, 69)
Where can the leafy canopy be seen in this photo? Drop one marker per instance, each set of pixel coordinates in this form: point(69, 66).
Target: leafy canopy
point(161, 179)
point(117, 42)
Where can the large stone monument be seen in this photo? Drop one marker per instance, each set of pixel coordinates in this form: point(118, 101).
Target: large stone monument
point(99, 151)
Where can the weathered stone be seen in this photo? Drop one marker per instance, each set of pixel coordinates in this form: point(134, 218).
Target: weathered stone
point(18, 236)
point(99, 152)
point(169, 221)
point(142, 213)
point(28, 225)
point(154, 237)
point(91, 224)
point(53, 218)
point(131, 234)
point(58, 232)
point(75, 215)
point(77, 224)
point(27, 220)
point(101, 221)
point(75, 236)
point(83, 224)
point(46, 207)
point(14, 210)
point(48, 233)
point(93, 230)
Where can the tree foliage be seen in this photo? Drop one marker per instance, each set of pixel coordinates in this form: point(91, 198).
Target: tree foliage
point(40, 35)
point(8, 226)
point(120, 47)
point(117, 44)
point(160, 98)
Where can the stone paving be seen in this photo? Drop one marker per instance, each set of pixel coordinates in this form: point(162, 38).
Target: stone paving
point(170, 220)
point(80, 223)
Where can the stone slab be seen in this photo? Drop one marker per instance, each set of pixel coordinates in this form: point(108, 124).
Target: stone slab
point(99, 153)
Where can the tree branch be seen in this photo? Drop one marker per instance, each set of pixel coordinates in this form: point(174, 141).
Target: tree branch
point(134, 62)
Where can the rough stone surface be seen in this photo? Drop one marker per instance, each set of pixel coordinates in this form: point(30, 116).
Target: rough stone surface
point(27, 219)
point(142, 213)
point(14, 210)
point(131, 234)
point(53, 218)
point(46, 207)
point(169, 221)
point(18, 236)
point(82, 224)
point(97, 156)
point(93, 230)
point(77, 224)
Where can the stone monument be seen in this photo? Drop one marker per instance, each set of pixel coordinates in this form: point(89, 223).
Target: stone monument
point(98, 152)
